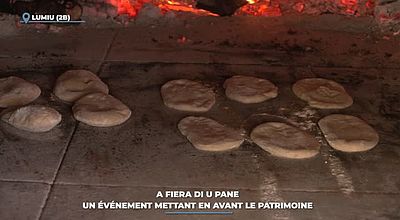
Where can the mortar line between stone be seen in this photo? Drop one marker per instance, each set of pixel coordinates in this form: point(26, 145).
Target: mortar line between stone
point(24, 181)
point(73, 133)
point(43, 206)
point(108, 49)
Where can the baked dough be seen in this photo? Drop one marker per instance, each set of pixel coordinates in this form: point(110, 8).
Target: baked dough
point(100, 110)
point(209, 135)
point(248, 89)
point(348, 133)
point(284, 140)
point(15, 91)
point(74, 84)
point(322, 93)
point(187, 95)
point(33, 118)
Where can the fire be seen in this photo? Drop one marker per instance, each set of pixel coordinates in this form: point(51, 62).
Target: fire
point(170, 5)
point(350, 5)
point(127, 7)
point(254, 7)
point(261, 8)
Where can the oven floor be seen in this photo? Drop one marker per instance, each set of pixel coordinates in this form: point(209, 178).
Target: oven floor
point(49, 176)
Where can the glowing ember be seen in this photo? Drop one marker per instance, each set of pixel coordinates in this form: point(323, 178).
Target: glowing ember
point(182, 40)
point(170, 5)
point(370, 4)
point(254, 7)
point(127, 7)
point(261, 8)
point(299, 7)
point(351, 6)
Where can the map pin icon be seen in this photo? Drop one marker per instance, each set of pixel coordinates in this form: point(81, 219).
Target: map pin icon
point(26, 17)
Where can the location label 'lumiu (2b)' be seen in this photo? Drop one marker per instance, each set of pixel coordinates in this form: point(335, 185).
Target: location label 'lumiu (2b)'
point(45, 18)
point(50, 17)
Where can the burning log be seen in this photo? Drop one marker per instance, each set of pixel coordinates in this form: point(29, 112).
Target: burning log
point(221, 7)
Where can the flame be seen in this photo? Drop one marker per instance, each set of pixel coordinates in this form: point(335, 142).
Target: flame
point(168, 5)
point(128, 7)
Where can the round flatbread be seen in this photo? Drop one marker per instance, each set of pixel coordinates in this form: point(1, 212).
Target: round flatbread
point(74, 84)
point(187, 95)
point(33, 118)
point(348, 133)
point(284, 140)
point(15, 91)
point(100, 110)
point(248, 89)
point(209, 135)
point(322, 93)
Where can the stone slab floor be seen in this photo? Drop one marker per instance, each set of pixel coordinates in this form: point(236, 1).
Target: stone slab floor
point(48, 176)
